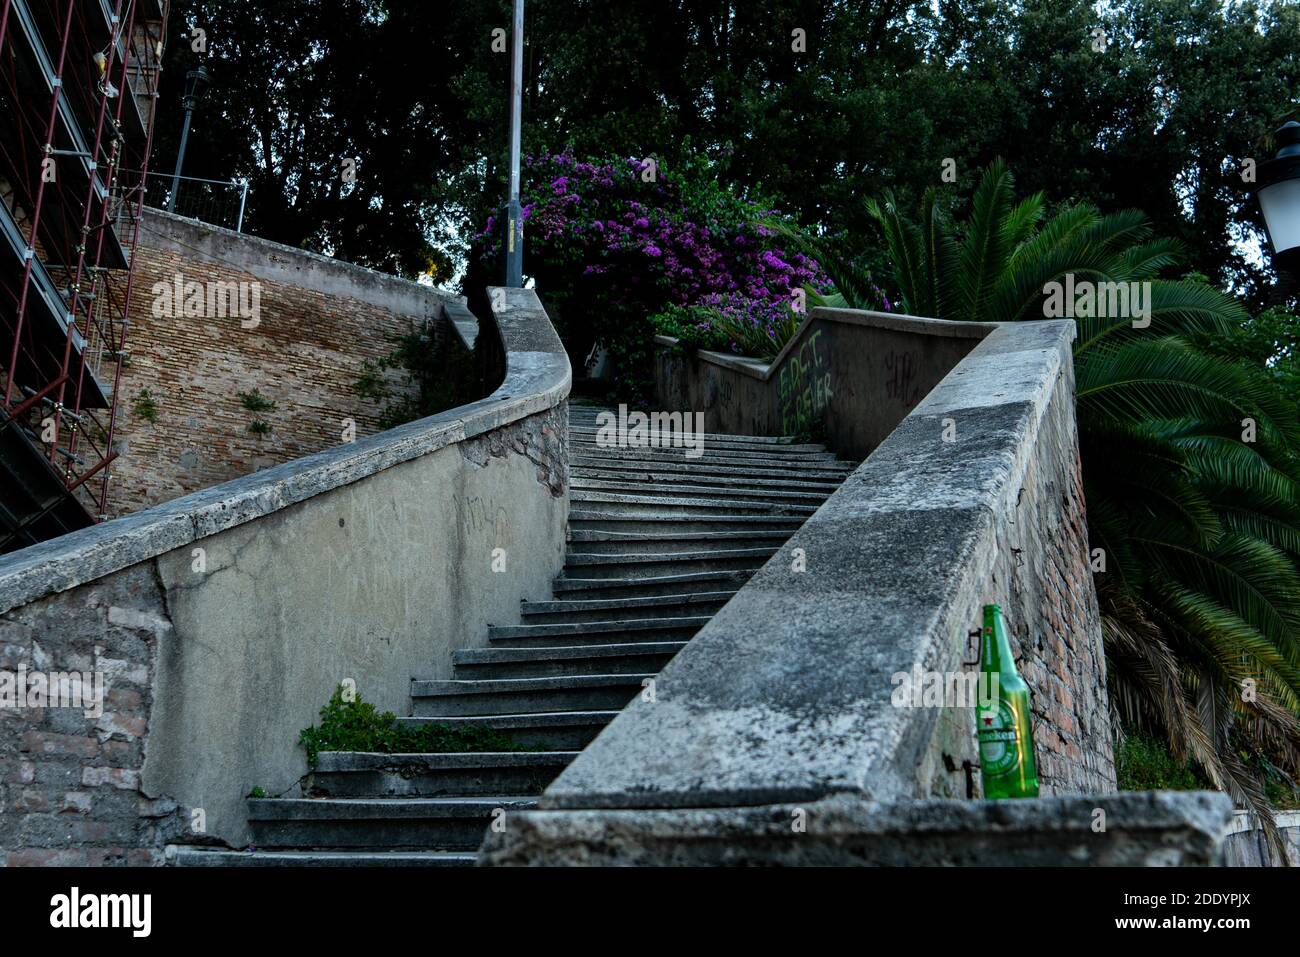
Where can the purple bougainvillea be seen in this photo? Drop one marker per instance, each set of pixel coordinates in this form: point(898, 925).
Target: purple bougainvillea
point(684, 239)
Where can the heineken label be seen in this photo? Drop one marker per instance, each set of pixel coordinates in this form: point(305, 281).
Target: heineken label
point(998, 738)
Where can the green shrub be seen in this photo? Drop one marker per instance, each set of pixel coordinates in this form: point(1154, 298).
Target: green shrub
point(1144, 763)
point(691, 327)
point(357, 725)
point(428, 369)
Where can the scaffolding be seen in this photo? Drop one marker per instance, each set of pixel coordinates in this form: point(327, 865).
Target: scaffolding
point(78, 92)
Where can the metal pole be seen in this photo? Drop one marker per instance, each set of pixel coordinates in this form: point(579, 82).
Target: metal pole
point(243, 198)
point(180, 157)
point(514, 226)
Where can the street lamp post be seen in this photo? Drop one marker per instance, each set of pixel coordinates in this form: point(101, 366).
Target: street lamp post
point(196, 81)
point(514, 224)
point(1278, 192)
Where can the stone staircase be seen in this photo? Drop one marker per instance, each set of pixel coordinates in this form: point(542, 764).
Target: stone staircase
point(658, 543)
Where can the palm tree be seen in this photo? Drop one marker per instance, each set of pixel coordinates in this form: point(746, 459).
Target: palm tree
point(1191, 488)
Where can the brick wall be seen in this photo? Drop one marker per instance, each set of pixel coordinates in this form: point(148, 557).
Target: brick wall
point(319, 321)
point(1043, 573)
point(70, 791)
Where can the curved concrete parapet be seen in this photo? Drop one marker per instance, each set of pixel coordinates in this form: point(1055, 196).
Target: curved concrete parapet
point(223, 620)
point(975, 496)
point(537, 378)
point(846, 376)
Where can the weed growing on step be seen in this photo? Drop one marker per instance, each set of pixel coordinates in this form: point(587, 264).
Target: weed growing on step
point(357, 725)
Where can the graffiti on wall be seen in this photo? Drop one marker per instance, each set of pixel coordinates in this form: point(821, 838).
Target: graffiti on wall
point(901, 381)
point(804, 387)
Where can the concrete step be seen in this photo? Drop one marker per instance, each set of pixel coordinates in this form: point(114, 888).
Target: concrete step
point(594, 542)
point(778, 479)
point(606, 632)
point(757, 470)
point(651, 504)
point(218, 857)
point(588, 420)
point(809, 461)
point(497, 696)
point(684, 604)
point(479, 773)
point(447, 823)
point(578, 564)
point(649, 587)
point(597, 520)
point(557, 731)
point(689, 488)
point(645, 657)
point(590, 436)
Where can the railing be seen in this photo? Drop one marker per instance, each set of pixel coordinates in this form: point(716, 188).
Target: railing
point(217, 202)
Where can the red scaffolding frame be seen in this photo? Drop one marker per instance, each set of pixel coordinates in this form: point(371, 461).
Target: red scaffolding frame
point(78, 90)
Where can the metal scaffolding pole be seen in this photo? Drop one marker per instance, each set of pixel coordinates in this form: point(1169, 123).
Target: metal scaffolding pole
point(88, 237)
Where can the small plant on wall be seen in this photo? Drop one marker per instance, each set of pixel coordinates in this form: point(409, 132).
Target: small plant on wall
point(257, 403)
point(145, 406)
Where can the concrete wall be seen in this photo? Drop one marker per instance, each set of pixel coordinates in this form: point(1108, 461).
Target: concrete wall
point(1144, 829)
point(847, 377)
point(319, 321)
point(369, 561)
point(1246, 845)
point(787, 694)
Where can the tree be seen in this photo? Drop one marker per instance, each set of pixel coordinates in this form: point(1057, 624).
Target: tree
point(879, 94)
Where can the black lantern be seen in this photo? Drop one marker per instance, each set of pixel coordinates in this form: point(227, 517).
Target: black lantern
point(1278, 192)
point(196, 81)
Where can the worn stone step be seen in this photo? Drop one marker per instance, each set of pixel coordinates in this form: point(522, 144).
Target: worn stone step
point(445, 823)
point(495, 696)
point(651, 504)
point(652, 586)
point(613, 543)
point(645, 657)
point(688, 488)
point(590, 436)
point(776, 479)
point(476, 773)
point(606, 626)
point(556, 731)
point(219, 857)
point(754, 469)
point(597, 520)
point(579, 564)
point(594, 455)
point(586, 420)
point(605, 632)
point(681, 604)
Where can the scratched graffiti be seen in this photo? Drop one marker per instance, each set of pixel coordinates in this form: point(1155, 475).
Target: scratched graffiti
point(803, 388)
point(484, 516)
point(901, 383)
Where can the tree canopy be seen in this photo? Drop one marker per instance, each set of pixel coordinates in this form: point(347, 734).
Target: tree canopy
point(819, 104)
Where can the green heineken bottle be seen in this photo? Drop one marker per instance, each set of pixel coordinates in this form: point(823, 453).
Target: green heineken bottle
point(1002, 717)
